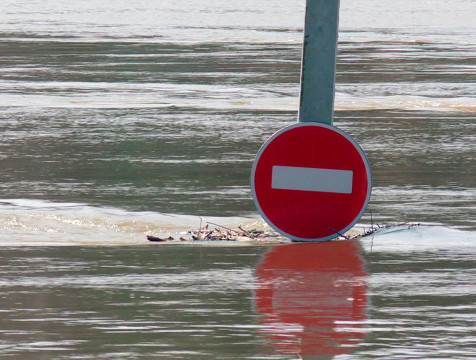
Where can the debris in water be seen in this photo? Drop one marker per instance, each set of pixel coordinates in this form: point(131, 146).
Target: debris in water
point(219, 232)
point(223, 233)
point(158, 239)
point(377, 227)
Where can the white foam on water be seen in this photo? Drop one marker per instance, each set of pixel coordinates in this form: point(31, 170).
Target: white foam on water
point(43, 223)
point(27, 222)
point(214, 20)
point(344, 102)
point(422, 238)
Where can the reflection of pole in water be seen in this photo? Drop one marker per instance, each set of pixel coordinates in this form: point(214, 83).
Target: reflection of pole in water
point(313, 298)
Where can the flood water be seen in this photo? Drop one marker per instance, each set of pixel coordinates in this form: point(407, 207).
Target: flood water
point(123, 119)
point(400, 298)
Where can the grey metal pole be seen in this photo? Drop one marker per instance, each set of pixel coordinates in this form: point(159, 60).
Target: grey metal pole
point(319, 61)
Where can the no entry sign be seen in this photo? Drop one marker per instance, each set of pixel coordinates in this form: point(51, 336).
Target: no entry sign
point(311, 181)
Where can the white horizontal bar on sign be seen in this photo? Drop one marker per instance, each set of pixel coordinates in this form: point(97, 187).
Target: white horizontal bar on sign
point(312, 179)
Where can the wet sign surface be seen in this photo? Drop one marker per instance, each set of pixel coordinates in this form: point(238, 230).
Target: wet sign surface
point(311, 182)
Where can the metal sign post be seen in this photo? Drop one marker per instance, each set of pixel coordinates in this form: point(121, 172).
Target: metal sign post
point(319, 61)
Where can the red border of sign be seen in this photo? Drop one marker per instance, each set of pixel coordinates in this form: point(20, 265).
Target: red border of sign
point(364, 159)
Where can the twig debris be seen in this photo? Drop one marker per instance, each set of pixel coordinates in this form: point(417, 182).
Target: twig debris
point(223, 233)
point(219, 232)
point(377, 227)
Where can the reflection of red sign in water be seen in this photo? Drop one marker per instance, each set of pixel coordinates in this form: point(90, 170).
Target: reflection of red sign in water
point(313, 297)
point(311, 181)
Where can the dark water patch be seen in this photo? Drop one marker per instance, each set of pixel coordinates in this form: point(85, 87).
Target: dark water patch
point(139, 62)
point(185, 303)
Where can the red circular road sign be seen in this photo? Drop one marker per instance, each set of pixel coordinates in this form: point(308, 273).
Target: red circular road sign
point(311, 181)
